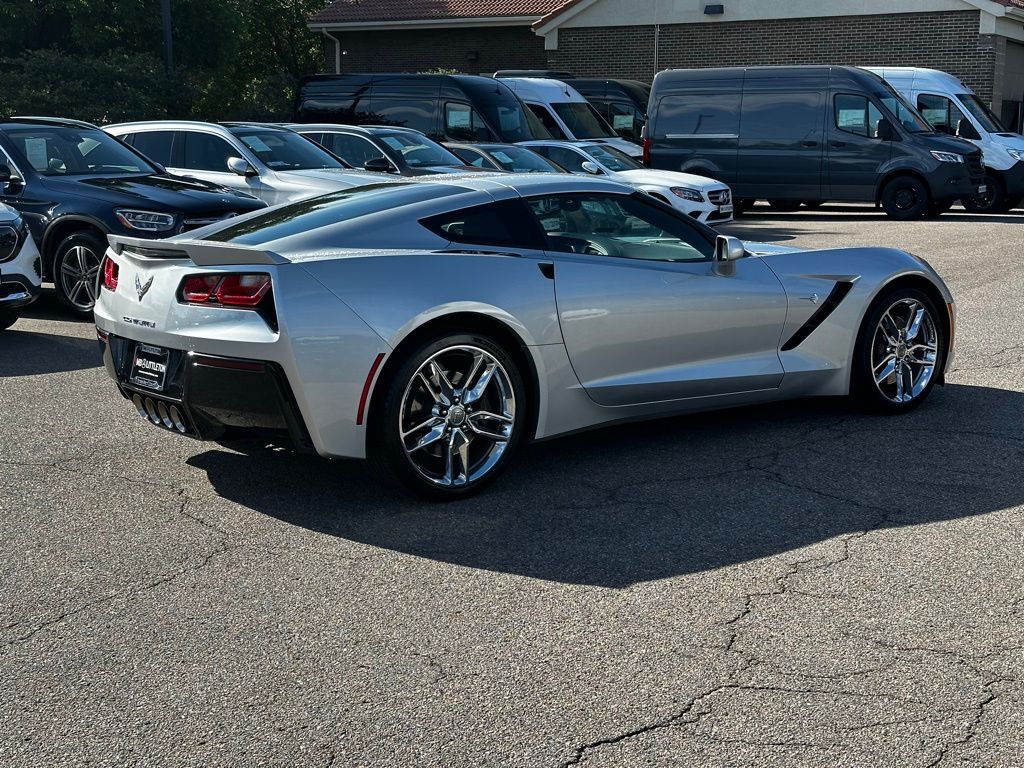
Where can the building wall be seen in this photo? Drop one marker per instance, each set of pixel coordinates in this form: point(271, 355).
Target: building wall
point(946, 40)
point(469, 50)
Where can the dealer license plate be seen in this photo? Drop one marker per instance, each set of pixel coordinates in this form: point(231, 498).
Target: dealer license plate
point(149, 367)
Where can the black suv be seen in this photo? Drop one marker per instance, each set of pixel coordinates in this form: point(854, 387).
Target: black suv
point(74, 184)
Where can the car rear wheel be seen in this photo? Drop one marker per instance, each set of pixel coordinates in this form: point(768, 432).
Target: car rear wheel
point(453, 416)
point(8, 317)
point(905, 198)
point(993, 200)
point(900, 352)
point(76, 269)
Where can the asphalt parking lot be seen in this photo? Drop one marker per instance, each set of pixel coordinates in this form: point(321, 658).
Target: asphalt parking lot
point(789, 585)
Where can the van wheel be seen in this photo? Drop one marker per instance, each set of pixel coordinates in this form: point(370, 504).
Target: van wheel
point(992, 201)
point(905, 198)
point(785, 206)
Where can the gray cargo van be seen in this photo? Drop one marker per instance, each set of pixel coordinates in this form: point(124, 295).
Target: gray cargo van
point(807, 134)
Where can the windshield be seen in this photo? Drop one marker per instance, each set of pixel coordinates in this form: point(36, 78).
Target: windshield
point(611, 158)
point(583, 121)
point(908, 117)
point(519, 160)
point(419, 151)
point(285, 151)
point(986, 119)
point(513, 121)
point(60, 151)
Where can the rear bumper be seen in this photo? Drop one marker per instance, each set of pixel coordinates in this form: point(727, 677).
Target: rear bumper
point(209, 397)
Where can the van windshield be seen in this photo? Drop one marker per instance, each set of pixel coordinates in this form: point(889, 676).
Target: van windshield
point(908, 117)
point(583, 120)
point(985, 117)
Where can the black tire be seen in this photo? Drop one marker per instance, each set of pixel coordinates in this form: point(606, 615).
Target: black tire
point(405, 396)
point(994, 199)
point(75, 289)
point(8, 317)
point(872, 348)
point(905, 198)
point(812, 204)
point(1011, 203)
point(785, 206)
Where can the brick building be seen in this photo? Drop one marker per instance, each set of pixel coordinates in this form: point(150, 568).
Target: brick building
point(980, 41)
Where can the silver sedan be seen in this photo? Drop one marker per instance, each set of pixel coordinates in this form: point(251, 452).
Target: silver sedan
point(434, 327)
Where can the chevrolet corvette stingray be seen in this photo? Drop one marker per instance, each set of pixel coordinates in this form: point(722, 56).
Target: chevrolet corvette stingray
point(433, 327)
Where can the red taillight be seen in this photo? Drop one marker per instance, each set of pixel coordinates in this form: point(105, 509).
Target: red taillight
point(242, 290)
point(110, 272)
point(647, 152)
point(229, 290)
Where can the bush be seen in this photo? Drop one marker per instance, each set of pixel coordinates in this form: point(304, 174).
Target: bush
point(108, 89)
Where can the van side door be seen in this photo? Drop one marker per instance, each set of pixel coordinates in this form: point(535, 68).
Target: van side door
point(855, 152)
point(697, 131)
point(781, 144)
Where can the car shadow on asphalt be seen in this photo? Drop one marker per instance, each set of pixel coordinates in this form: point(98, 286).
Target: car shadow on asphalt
point(30, 353)
point(639, 502)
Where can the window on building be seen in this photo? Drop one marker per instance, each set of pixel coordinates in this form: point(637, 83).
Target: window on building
point(856, 114)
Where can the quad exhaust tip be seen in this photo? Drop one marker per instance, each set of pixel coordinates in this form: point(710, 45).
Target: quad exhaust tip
point(159, 413)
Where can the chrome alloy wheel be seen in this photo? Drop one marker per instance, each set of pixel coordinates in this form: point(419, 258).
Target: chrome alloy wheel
point(457, 416)
point(79, 273)
point(904, 351)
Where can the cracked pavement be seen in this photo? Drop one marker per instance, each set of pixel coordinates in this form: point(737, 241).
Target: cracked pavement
point(795, 585)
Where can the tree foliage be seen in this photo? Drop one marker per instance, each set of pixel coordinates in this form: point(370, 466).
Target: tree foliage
point(102, 60)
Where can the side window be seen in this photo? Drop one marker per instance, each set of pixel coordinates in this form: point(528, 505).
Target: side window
point(622, 226)
point(699, 114)
point(780, 115)
point(501, 224)
point(462, 123)
point(547, 120)
point(625, 119)
point(942, 113)
point(471, 157)
point(567, 158)
point(156, 145)
point(404, 111)
point(355, 150)
point(855, 114)
point(205, 152)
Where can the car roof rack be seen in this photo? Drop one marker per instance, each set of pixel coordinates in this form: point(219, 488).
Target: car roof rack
point(50, 121)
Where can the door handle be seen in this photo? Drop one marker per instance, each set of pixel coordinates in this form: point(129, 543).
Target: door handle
point(809, 143)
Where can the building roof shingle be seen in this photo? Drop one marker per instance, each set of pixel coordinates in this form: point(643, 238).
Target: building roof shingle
point(354, 11)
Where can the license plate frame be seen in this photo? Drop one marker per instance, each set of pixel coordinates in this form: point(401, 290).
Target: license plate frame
point(149, 367)
point(727, 208)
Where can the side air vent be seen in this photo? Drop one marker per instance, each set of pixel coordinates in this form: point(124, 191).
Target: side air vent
point(835, 296)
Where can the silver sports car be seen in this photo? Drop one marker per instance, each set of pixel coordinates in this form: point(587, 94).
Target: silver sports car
point(433, 327)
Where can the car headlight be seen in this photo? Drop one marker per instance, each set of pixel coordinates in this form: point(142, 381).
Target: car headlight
point(947, 157)
point(687, 194)
point(10, 239)
point(145, 221)
point(1016, 154)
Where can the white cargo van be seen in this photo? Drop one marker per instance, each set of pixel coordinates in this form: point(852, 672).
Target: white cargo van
point(953, 108)
point(566, 114)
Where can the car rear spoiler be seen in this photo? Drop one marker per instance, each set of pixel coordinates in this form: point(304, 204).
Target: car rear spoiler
point(203, 253)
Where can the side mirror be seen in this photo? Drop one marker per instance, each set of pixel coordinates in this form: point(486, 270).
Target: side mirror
point(592, 168)
point(727, 251)
point(8, 177)
point(239, 166)
point(966, 130)
point(883, 130)
point(377, 165)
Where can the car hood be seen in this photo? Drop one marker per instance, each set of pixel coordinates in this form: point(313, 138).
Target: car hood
point(439, 169)
point(939, 142)
point(1008, 140)
point(157, 191)
point(769, 249)
point(333, 178)
point(668, 179)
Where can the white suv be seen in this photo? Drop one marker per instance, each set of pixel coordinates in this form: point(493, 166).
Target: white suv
point(19, 266)
point(704, 199)
point(273, 163)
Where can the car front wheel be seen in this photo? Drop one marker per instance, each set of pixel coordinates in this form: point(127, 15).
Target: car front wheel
point(905, 198)
point(992, 200)
point(76, 269)
point(452, 417)
point(900, 352)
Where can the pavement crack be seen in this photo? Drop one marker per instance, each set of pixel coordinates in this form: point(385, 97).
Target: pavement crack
point(972, 726)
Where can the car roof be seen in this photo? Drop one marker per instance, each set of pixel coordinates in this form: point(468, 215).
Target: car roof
point(542, 88)
point(920, 77)
point(366, 129)
point(57, 122)
point(171, 125)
